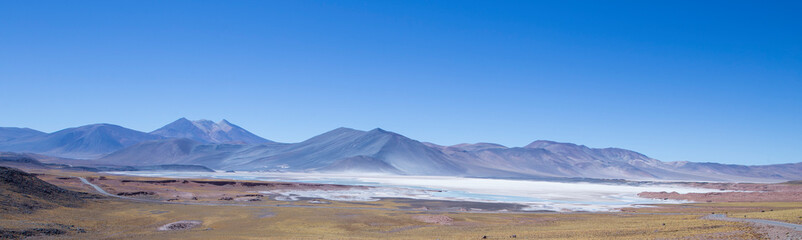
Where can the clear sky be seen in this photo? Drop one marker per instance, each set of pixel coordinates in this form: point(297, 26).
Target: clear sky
point(717, 81)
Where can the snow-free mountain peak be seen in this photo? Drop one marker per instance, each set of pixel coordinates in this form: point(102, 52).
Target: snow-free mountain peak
point(206, 131)
point(376, 149)
point(12, 133)
point(205, 143)
point(225, 125)
point(546, 144)
point(89, 141)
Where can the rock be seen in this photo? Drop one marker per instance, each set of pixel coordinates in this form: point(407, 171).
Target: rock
point(180, 225)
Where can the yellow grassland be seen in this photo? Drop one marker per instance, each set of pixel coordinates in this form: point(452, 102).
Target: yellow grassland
point(112, 218)
point(120, 219)
point(788, 215)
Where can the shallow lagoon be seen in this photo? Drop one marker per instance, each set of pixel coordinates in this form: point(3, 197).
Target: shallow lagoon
point(538, 195)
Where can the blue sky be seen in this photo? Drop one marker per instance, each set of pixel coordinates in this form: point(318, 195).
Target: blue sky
point(716, 81)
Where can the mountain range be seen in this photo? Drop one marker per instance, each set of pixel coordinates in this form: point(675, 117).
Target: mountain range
point(85, 142)
point(206, 131)
point(97, 140)
point(225, 146)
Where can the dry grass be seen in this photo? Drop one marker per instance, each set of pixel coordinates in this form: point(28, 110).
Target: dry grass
point(115, 219)
point(789, 215)
point(121, 219)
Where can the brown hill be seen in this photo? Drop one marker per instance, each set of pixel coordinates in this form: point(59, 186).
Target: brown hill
point(22, 192)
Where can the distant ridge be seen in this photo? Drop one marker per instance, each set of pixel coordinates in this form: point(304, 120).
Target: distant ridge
point(381, 149)
point(97, 140)
point(85, 142)
point(225, 146)
point(12, 133)
point(347, 150)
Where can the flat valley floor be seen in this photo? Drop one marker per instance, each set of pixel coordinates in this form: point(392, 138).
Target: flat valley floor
point(163, 208)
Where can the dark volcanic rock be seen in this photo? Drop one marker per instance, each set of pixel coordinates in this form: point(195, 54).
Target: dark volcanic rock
point(22, 192)
point(180, 225)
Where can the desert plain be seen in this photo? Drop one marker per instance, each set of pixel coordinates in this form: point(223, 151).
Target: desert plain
point(136, 207)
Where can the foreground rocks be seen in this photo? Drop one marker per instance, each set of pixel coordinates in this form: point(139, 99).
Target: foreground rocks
point(180, 225)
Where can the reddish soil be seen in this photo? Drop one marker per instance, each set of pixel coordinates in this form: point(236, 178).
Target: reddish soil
point(190, 189)
point(772, 232)
point(744, 192)
point(436, 219)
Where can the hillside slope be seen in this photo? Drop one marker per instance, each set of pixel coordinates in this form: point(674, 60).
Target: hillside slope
point(22, 192)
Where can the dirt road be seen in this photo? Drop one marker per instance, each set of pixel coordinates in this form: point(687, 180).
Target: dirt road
point(722, 217)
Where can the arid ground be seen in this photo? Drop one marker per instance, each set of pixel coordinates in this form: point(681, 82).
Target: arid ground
point(162, 208)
